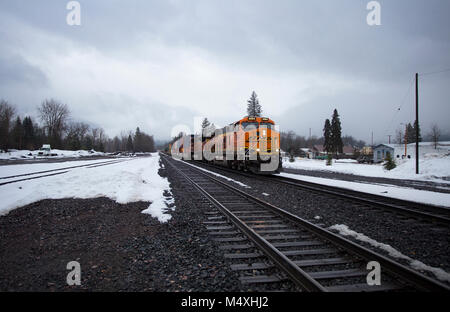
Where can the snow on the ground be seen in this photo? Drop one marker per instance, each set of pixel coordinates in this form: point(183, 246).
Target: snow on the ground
point(12, 170)
point(27, 154)
point(130, 181)
point(434, 164)
point(428, 197)
point(418, 265)
point(216, 174)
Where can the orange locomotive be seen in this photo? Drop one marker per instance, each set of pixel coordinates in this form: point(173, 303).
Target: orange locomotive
point(252, 143)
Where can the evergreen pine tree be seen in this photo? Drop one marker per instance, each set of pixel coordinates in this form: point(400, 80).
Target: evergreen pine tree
point(17, 133)
point(205, 123)
point(130, 143)
point(414, 129)
point(29, 133)
point(138, 141)
point(327, 145)
point(410, 133)
point(253, 107)
point(336, 133)
point(390, 163)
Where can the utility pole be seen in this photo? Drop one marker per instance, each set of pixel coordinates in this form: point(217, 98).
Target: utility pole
point(417, 123)
point(406, 140)
point(372, 138)
point(389, 135)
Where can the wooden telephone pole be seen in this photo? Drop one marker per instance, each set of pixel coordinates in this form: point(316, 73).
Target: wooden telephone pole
point(417, 123)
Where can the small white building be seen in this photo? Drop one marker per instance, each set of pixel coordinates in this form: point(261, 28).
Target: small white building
point(380, 152)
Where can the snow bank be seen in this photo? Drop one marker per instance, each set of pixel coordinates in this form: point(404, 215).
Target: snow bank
point(27, 154)
point(433, 167)
point(427, 197)
point(418, 265)
point(125, 182)
point(12, 170)
point(434, 164)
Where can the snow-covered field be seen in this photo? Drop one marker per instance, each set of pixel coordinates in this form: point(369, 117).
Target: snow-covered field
point(26, 154)
point(427, 197)
point(125, 182)
point(434, 165)
point(12, 170)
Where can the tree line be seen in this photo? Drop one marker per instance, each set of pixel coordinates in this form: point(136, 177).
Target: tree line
point(409, 134)
point(57, 129)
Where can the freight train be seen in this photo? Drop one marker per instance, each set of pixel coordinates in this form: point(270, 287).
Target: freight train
point(250, 144)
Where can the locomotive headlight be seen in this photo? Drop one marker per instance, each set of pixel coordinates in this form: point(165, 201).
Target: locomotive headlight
point(277, 150)
point(257, 150)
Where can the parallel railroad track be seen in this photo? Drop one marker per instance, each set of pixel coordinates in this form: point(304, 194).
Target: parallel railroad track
point(429, 213)
point(270, 245)
point(52, 172)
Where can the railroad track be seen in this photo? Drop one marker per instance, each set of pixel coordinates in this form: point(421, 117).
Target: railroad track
point(429, 213)
point(270, 245)
point(52, 172)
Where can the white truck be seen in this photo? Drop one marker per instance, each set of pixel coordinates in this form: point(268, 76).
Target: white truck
point(45, 150)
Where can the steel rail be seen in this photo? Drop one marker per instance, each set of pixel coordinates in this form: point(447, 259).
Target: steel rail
point(357, 196)
point(296, 274)
point(412, 277)
point(58, 171)
point(347, 194)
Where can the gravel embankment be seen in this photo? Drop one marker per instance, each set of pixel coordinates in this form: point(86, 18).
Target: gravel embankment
point(118, 247)
point(419, 241)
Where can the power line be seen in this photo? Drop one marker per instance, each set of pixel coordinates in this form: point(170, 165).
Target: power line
point(435, 72)
point(401, 104)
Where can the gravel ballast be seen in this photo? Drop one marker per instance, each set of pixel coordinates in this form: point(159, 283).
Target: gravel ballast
point(118, 247)
point(417, 240)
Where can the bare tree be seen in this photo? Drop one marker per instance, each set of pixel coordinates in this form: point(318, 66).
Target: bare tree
point(7, 112)
point(54, 115)
point(435, 134)
point(76, 133)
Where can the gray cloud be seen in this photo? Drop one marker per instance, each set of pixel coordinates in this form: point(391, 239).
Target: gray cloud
point(159, 63)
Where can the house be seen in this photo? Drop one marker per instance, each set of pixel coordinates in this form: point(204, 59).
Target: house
point(306, 152)
point(318, 152)
point(348, 150)
point(381, 151)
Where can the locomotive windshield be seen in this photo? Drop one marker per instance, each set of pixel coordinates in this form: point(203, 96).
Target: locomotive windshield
point(250, 125)
point(268, 125)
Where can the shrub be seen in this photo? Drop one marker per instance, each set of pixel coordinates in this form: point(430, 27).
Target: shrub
point(291, 158)
point(390, 163)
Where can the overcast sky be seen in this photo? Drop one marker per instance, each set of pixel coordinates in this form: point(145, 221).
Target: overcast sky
point(156, 64)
